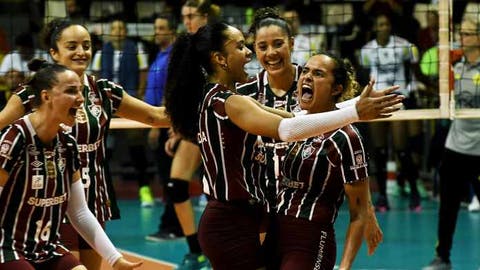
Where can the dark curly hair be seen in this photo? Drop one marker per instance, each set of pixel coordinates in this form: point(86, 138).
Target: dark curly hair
point(188, 68)
point(344, 74)
point(269, 16)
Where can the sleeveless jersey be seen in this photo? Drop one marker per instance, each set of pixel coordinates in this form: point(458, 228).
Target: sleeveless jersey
point(222, 145)
point(35, 196)
point(265, 149)
point(315, 172)
point(102, 99)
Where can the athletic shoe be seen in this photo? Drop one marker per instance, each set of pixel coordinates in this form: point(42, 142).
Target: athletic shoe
point(162, 236)
point(381, 205)
point(146, 197)
point(194, 261)
point(438, 264)
point(474, 205)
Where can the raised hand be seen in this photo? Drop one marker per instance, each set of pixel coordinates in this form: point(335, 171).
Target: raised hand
point(379, 104)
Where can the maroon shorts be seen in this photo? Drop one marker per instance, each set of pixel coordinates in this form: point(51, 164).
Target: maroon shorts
point(229, 235)
point(70, 238)
point(67, 261)
point(304, 244)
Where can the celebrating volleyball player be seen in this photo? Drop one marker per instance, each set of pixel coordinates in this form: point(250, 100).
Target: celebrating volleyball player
point(40, 180)
point(318, 172)
point(70, 45)
point(205, 107)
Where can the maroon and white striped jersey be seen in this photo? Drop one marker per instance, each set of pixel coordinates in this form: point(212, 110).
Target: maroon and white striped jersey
point(315, 172)
point(35, 196)
point(223, 148)
point(102, 99)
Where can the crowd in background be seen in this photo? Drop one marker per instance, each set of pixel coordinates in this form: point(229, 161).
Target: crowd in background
point(124, 48)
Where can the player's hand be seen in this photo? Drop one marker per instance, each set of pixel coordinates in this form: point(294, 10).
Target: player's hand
point(378, 105)
point(172, 143)
point(373, 233)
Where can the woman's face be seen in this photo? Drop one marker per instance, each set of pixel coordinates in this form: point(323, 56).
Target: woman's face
point(383, 27)
point(469, 36)
point(316, 88)
point(74, 49)
point(273, 48)
point(65, 98)
point(192, 19)
point(118, 31)
point(237, 55)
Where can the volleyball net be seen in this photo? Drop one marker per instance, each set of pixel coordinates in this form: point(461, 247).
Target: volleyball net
point(345, 27)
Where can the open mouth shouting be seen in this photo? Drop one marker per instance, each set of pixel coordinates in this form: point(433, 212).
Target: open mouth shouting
point(306, 93)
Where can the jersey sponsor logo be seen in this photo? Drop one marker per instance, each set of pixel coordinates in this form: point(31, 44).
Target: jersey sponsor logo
point(321, 248)
point(5, 149)
point(47, 202)
point(37, 182)
point(83, 148)
point(292, 184)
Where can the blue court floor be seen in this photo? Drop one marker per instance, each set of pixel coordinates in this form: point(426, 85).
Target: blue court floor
point(409, 238)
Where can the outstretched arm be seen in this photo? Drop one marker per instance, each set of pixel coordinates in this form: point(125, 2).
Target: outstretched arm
point(373, 94)
point(247, 115)
point(12, 111)
point(88, 227)
point(137, 110)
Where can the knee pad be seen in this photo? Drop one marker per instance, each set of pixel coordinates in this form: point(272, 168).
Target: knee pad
point(177, 190)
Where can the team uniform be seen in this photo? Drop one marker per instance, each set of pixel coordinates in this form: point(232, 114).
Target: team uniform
point(387, 63)
point(312, 191)
point(35, 196)
point(234, 214)
point(102, 99)
point(267, 150)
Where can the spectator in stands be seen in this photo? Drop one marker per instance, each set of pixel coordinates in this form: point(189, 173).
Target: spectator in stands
point(124, 61)
point(305, 44)
point(24, 51)
point(428, 36)
point(165, 27)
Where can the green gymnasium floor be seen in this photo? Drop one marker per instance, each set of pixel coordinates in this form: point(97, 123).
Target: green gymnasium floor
point(409, 238)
